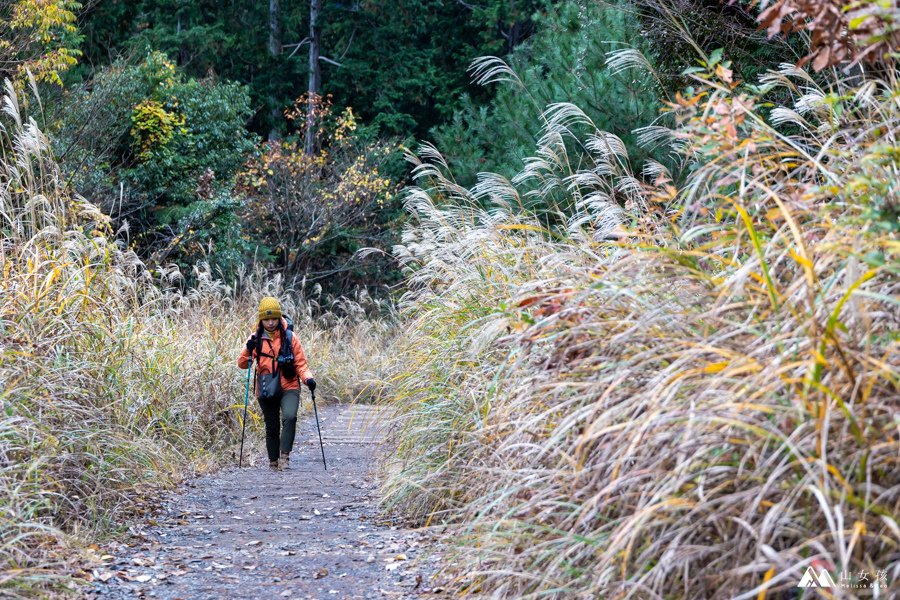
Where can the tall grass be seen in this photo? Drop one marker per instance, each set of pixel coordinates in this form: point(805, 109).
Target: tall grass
point(699, 410)
point(114, 381)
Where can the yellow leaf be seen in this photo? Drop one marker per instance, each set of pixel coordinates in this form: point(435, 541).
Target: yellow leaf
point(803, 261)
point(766, 578)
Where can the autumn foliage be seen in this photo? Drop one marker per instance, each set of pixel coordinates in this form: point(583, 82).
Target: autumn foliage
point(37, 36)
point(840, 31)
point(310, 214)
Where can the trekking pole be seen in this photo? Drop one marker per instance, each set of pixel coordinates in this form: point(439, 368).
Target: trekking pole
point(244, 420)
point(319, 429)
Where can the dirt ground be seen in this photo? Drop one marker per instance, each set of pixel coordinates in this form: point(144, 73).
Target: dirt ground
point(255, 534)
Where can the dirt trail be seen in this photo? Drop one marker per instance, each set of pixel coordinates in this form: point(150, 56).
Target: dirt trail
point(297, 534)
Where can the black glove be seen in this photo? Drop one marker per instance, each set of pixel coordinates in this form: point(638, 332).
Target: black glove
point(251, 344)
point(311, 384)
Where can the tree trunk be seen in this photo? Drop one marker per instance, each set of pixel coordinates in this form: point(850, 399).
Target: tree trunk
point(275, 48)
point(180, 47)
point(315, 74)
point(275, 43)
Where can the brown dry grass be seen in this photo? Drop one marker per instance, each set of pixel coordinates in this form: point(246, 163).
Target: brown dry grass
point(116, 383)
point(700, 411)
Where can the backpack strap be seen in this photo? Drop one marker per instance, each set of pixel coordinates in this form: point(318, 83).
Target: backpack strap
point(259, 351)
point(287, 348)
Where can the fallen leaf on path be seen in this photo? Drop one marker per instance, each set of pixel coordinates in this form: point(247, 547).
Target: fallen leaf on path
point(104, 577)
point(253, 543)
point(178, 573)
point(400, 557)
point(320, 574)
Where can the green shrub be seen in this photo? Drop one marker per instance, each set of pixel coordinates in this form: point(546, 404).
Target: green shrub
point(159, 155)
point(211, 136)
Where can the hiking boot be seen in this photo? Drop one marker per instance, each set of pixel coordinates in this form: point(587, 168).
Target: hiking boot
point(273, 465)
point(284, 462)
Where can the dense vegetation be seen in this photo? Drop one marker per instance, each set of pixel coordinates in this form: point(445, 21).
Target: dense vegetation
point(107, 394)
point(632, 296)
point(702, 409)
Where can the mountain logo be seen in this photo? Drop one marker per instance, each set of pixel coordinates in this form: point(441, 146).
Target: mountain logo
point(811, 580)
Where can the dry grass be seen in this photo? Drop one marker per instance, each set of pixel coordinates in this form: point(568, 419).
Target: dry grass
point(701, 410)
point(113, 386)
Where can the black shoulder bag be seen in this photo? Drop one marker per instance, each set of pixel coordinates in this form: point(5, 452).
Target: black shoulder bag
point(268, 385)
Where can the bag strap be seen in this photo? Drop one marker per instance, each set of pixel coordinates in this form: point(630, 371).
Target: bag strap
point(260, 353)
point(288, 343)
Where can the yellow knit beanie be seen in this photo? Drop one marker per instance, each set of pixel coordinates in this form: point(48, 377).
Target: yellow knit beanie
point(269, 309)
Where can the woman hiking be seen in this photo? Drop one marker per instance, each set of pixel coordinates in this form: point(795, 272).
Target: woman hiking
point(279, 369)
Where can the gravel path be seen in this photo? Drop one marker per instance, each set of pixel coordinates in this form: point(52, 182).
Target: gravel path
point(297, 534)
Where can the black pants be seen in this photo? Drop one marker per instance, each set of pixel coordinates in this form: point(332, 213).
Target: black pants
point(287, 405)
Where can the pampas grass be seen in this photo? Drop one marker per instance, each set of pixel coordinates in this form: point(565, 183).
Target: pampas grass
point(116, 382)
point(702, 409)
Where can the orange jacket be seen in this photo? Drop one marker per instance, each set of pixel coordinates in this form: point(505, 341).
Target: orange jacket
point(271, 346)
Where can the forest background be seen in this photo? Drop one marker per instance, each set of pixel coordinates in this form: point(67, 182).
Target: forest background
point(626, 273)
point(185, 121)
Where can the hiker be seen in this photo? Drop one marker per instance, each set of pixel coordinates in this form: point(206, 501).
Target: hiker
point(279, 371)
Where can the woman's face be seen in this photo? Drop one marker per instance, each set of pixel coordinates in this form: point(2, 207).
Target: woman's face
point(270, 323)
